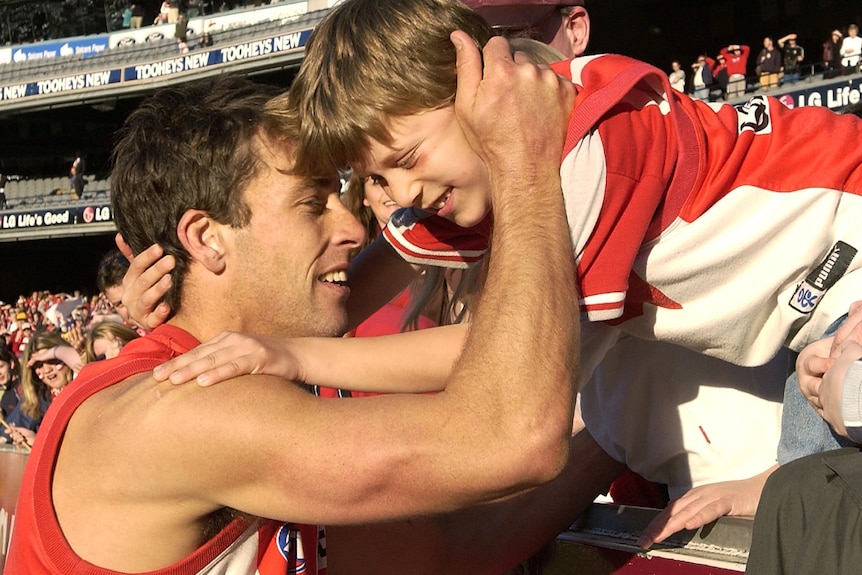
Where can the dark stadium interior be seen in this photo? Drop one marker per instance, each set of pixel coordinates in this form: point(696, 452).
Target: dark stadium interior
point(43, 142)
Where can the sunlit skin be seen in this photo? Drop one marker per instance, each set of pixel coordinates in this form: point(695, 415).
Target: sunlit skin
point(431, 166)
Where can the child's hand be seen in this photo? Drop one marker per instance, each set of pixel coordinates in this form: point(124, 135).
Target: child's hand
point(704, 504)
point(229, 355)
point(812, 363)
point(832, 387)
point(146, 282)
point(851, 329)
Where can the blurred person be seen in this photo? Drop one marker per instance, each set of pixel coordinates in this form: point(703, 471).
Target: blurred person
point(137, 18)
point(181, 28)
point(10, 381)
point(769, 65)
point(127, 17)
point(677, 76)
point(376, 459)
point(721, 78)
point(851, 50)
point(3, 180)
point(736, 56)
point(793, 54)
point(832, 55)
point(701, 78)
point(50, 365)
point(105, 340)
point(206, 40)
point(77, 181)
point(109, 279)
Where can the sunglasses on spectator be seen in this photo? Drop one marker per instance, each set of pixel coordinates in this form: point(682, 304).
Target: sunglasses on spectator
point(41, 364)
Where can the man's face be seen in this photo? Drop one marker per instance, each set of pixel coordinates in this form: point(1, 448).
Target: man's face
point(431, 166)
point(289, 266)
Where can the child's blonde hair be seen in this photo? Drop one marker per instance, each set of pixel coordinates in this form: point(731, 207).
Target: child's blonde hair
point(368, 61)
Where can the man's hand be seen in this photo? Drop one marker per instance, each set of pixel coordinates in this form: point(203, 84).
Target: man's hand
point(513, 113)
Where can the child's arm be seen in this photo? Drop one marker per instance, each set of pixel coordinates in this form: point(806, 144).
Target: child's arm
point(415, 362)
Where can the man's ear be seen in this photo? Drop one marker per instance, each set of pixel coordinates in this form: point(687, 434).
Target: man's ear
point(577, 27)
point(203, 238)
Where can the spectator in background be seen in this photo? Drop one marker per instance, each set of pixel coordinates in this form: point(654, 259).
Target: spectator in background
point(162, 16)
point(50, 364)
point(127, 17)
point(193, 8)
point(76, 174)
point(736, 56)
point(137, 16)
point(720, 78)
point(3, 180)
point(677, 76)
point(180, 32)
point(701, 78)
point(106, 339)
point(10, 381)
point(832, 55)
point(793, 55)
point(851, 49)
point(206, 40)
point(768, 65)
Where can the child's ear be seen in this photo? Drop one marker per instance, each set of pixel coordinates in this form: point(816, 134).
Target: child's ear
point(203, 238)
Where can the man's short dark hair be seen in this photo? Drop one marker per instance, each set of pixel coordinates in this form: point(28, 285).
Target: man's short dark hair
point(189, 147)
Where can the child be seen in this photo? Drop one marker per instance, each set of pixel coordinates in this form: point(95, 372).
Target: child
point(686, 224)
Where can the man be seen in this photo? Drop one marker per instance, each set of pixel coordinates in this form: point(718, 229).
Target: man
point(186, 471)
point(562, 24)
point(737, 62)
point(793, 55)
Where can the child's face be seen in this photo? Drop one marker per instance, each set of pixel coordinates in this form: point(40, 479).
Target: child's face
point(431, 166)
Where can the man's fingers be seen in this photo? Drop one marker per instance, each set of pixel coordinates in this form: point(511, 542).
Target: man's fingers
point(469, 68)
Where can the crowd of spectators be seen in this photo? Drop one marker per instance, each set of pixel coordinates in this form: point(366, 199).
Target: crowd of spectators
point(47, 338)
point(730, 74)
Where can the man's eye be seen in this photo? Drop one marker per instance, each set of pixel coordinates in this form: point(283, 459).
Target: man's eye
point(316, 204)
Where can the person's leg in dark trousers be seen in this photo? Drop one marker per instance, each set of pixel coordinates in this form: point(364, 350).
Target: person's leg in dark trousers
point(809, 520)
